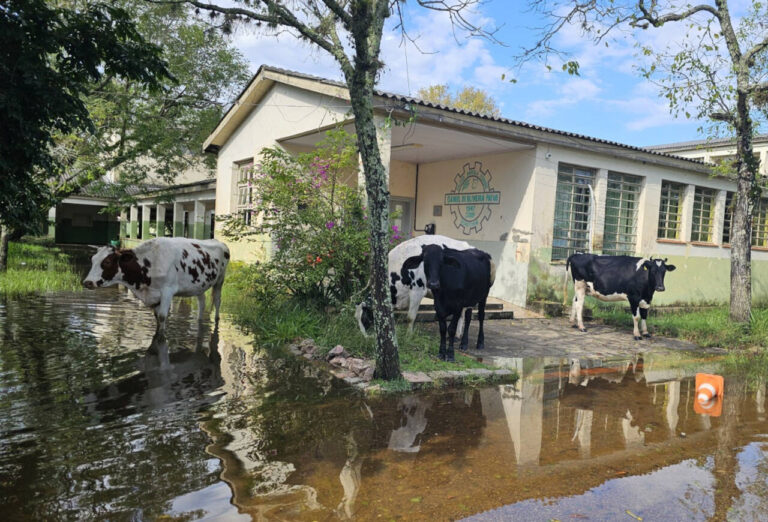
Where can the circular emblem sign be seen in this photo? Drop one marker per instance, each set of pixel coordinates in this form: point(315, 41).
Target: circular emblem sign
point(472, 199)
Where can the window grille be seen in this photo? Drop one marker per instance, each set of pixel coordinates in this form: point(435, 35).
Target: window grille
point(728, 218)
point(670, 210)
point(703, 214)
point(760, 224)
point(572, 211)
point(621, 204)
point(245, 195)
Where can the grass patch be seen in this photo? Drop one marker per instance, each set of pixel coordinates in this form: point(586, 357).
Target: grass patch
point(37, 267)
point(709, 327)
point(276, 321)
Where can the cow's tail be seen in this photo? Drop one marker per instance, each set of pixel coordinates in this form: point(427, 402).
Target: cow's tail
point(565, 281)
point(493, 273)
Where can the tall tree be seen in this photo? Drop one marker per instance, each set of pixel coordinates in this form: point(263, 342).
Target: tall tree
point(49, 57)
point(715, 70)
point(151, 137)
point(351, 31)
point(468, 98)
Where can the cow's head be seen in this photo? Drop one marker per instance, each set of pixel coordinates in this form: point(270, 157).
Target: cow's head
point(364, 316)
point(107, 267)
point(434, 258)
point(657, 269)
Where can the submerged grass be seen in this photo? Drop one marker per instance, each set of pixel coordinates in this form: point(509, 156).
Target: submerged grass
point(37, 267)
point(710, 327)
point(277, 322)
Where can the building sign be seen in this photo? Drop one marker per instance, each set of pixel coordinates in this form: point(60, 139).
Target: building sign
point(472, 199)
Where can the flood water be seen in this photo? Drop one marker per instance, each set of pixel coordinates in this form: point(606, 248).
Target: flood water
point(210, 427)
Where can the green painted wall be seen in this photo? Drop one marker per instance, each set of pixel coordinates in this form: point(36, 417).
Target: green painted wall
point(146, 233)
point(695, 280)
point(134, 228)
point(198, 230)
point(178, 228)
point(100, 233)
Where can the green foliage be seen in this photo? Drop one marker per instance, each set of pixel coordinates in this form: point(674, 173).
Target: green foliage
point(37, 268)
point(312, 212)
point(50, 56)
point(710, 327)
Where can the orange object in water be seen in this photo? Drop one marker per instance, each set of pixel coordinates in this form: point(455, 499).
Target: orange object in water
point(709, 394)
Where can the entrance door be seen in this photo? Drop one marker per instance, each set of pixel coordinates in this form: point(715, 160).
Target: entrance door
point(403, 207)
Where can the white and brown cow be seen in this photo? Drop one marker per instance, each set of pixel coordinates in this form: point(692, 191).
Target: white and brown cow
point(161, 268)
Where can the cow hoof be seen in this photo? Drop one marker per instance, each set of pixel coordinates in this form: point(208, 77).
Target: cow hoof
point(441, 356)
point(647, 335)
point(481, 347)
point(574, 326)
point(638, 338)
point(450, 359)
point(464, 348)
point(583, 330)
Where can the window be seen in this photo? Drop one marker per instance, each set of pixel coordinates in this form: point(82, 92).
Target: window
point(760, 224)
point(670, 210)
point(243, 171)
point(728, 217)
point(703, 214)
point(572, 211)
point(621, 202)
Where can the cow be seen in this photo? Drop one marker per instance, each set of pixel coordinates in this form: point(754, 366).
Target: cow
point(161, 268)
point(615, 278)
point(458, 280)
point(407, 287)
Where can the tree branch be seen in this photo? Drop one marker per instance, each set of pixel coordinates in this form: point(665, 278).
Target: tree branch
point(658, 21)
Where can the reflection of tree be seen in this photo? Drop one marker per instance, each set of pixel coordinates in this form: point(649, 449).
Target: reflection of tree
point(73, 447)
point(726, 454)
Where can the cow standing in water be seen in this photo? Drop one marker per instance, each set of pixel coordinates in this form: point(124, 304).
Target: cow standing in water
point(616, 278)
point(161, 268)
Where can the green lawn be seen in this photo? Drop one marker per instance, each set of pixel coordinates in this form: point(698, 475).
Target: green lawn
point(37, 267)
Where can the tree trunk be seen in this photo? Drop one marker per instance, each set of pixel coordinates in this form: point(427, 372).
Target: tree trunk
point(5, 234)
point(744, 202)
point(361, 94)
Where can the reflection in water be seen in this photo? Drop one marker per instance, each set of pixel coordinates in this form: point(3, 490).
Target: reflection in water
point(101, 424)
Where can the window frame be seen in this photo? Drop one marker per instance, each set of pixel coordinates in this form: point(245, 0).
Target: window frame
point(701, 231)
point(577, 195)
point(243, 175)
point(625, 182)
point(663, 228)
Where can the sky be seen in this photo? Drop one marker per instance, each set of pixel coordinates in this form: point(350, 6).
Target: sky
point(608, 100)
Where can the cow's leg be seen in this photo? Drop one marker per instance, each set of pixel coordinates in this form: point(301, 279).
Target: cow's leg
point(580, 288)
point(201, 306)
point(464, 320)
point(161, 314)
point(643, 316)
point(413, 308)
point(443, 328)
point(449, 355)
point(480, 318)
point(216, 296)
point(634, 306)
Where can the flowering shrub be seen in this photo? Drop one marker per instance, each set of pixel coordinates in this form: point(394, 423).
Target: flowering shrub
point(310, 207)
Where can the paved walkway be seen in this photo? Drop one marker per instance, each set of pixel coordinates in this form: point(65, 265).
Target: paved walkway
point(555, 338)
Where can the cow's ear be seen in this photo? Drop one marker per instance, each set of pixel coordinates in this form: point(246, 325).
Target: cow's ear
point(647, 265)
point(671, 268)
point(412, 262)
point(451, 261)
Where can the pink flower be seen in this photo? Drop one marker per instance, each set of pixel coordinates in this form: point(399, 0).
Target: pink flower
point(330, 225)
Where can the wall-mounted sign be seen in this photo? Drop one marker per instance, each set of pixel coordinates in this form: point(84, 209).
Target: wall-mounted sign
point(472, 199)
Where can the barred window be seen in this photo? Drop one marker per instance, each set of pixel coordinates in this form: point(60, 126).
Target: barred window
point(670, 210)
point(760, 224)
point(621, 203)
point(728, 217)
point(703, 214)
point(572, 211)
point(243, 172)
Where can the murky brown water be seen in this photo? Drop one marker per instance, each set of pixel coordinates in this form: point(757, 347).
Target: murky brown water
point(94, 427)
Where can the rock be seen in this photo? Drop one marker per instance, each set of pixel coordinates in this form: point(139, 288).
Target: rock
point(338, 361)
point(482, 372)
point(416, 377)
point(337, 351)
point(368, 374)
point(341, 374)
point(440, 375)
point(307, 355)
point(352, 380)
point(356, 365)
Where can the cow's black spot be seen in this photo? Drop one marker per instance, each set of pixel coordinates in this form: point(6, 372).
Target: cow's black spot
point(147, 263)
point(133, 273)
point(109, 267)
point(184, 254)
point(393, 293)
point(394, 277)
point(217, 260)
point(99, 282)
point(420, 283)
point(226, 255)
point(194, 273)
point(411, 274)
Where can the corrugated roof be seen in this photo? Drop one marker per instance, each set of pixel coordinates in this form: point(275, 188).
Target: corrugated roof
point(696, 144)
point(423, 103)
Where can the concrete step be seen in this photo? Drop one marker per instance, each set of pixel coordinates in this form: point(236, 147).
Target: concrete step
point(488, 306)
point(490, 315)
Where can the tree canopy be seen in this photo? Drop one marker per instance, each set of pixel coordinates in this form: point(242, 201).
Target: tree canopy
point(50, 56)
point(468, 98)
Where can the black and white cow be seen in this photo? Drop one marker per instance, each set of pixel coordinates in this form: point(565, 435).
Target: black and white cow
point(407, 286)
point(616, 278)
point(459, 280)
point(161, 268)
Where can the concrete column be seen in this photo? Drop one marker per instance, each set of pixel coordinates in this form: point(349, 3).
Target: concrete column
point(178, 219)
point(717, 226)
point(686, 218)
point(207, 224)
point(146, 222)
point(133, 229)
point(599, 194)
point(160, 220)
point(124, 223)
point(198, 218)
point(52, 222)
